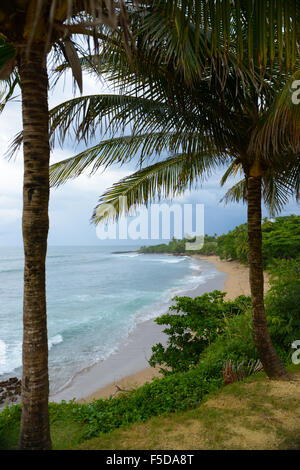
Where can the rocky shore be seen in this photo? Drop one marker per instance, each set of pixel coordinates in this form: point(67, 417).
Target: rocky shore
point(10, 390)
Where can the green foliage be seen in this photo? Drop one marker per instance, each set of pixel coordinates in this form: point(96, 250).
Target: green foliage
point(9, 426)
point(196, 324)
point(281, 240)
point(209, 248)
point(234, 245)
point(283, 304)
point(177, 392)
point(178, 246)
point(174, 246)
point(207, 331)
point(235, 344)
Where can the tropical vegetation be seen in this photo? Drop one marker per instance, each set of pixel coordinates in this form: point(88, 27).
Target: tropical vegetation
point(186, 385)
point(205, 335)
point(192, 325)
point(202, 123)
point(30, 30)
point(151, 43)
point(280, 241)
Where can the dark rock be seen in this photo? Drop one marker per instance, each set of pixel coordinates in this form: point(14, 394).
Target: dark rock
point(10, 390)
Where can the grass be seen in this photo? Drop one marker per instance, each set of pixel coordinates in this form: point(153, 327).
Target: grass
point(253, 414)
point(66, 430)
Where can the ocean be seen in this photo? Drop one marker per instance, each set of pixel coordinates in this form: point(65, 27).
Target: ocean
point(95, 301)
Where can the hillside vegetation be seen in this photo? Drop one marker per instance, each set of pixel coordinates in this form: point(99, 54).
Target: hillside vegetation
point(281, 240)
point(253, 414)
point(210, 344)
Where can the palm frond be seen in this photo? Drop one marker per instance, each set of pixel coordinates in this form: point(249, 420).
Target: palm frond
point(8, 89)
point(7, 58)
point(70, 52)
point(123, 149)
point(279, 130)
point(236, 193)
point(170, 177)
point(276, 194)
point(232, 170)
point(277, 189)
point(117, 150)
point(90, 114)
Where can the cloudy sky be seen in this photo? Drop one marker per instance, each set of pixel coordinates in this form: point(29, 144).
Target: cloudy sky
point(71, 205)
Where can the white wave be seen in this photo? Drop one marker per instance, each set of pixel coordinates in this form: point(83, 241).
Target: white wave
point(82, 297)
point(2, 352)
point(168, 260)
point(128, 255)
point(11, 357)
point(196, 267)
point(184, 287)
point(55, 340)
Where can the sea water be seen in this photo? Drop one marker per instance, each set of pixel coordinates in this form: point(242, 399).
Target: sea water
point(95, 298)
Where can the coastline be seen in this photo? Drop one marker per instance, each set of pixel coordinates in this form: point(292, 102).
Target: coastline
point(128, 367)
point(237, 280)
point(130, 361)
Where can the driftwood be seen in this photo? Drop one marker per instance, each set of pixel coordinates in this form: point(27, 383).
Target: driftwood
point(119, 389)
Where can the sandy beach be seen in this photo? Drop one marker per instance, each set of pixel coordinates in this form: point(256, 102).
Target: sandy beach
point(237, 280)
point(128, 367)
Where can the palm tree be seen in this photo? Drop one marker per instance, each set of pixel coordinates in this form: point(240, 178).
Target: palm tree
point(30, 29)
point(205, 122)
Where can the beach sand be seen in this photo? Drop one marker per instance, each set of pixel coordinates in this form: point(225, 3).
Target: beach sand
point(128, 367)
point(237, 280)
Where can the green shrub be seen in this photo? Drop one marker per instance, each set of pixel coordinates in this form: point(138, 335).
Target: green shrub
point(209, 248)
point(176, 392)
point(283, 305)
point(10, 418)
point(234, 245)
point(280, 240)
point(235, 344)
point(197, 323)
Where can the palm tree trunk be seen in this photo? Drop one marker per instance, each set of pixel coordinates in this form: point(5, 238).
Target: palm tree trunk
point(267, 354)
point(35, 432)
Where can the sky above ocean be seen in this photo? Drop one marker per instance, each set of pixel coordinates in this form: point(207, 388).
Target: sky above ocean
point(72, 204)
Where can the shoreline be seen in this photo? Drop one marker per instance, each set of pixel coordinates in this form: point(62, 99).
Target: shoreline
point(128, 367)
point(237, 280)
point(129, 363)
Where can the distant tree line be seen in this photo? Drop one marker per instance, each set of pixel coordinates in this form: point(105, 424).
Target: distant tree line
point(281, 240)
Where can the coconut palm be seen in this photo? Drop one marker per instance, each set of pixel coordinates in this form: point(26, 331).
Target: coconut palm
point(178, 172)
point(30, 30)
point(202, 123)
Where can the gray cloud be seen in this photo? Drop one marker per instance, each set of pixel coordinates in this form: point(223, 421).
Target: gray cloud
point(71, 205)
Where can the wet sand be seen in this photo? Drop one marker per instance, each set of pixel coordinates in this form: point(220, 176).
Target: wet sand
point(237, 280)
point(128, 366)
